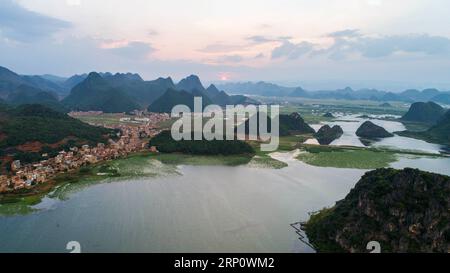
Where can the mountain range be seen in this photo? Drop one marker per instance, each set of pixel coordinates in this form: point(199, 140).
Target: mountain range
point(10, 81)
point(124, 91)
point(120, 92)
point(96, 94)
point(274, 90)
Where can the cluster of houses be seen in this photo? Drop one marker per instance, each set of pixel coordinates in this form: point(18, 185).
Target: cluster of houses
point(132, 139)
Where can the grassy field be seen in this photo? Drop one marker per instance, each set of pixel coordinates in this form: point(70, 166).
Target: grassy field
point(105, 118)
point(19, 205)
point(312, 110)
point(351, 158)
point(199, 160)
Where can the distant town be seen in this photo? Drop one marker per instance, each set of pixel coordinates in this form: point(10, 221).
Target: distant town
point(133, 136)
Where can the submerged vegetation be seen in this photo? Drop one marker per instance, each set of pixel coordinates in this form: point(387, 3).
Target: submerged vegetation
point(353, 157)
point(346, 158)
point(139, 165)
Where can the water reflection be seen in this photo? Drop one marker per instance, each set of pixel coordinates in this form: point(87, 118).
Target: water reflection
point(350, 123)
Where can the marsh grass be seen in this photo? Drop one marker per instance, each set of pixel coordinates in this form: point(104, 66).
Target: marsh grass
point(354, 159)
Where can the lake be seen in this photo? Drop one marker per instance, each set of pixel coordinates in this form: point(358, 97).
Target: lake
point(351, 123)
point(205, 208)
point(199, 208)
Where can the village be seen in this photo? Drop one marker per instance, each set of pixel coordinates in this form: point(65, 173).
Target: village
point(132, 137)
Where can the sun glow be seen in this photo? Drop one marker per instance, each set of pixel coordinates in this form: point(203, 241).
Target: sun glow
point(224, 76)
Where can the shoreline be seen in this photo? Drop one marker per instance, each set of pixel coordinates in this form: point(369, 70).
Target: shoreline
point(54, 182)
point(75, 175)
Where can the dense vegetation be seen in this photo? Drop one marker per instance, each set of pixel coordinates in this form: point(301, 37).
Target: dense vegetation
point(350, 158)
point(427, 112)
point(142, 92)
point(404, 210)
point(96, 94)
point(10, 81)
point(172, 97)
point(39, 123)
point(48, 130)
point(294, 123)
point(370, 130)
point(327, 134)
point(107, 92)
point(25, 94)
point(190, 87)
point(439, 133)
point(166, 144)
point(288, 125)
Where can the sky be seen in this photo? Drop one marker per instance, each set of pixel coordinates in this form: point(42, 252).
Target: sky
point(385, 44)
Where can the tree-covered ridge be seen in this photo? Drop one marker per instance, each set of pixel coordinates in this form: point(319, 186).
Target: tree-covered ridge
point(10, 81)
point(369, 130)
point(428, 112)
point(404, 210)
point(166, 144)
point(25, 94)
point(441, 131)
point(288, 124)
point(142, 92)
point(96, 94)
point(38, 123)
point(438, 133)
point(327, 134)
point(172, 97)
point(294, 123)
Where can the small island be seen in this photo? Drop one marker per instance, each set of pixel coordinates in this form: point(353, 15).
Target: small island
point(369, 130)
point(327, 134)
point(404, 210)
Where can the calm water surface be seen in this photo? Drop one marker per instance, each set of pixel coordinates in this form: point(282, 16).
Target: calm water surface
point(204, 209)
point(213, 209)
point(351, 123)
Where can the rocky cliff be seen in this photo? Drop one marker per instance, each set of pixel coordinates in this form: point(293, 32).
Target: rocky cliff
point(370, 130)
point(327, 134)
point(404, 210)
